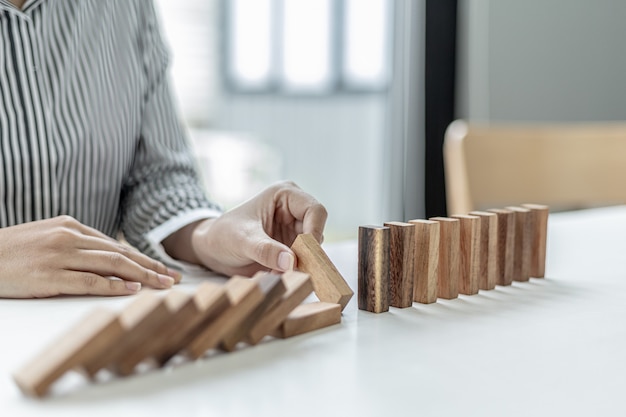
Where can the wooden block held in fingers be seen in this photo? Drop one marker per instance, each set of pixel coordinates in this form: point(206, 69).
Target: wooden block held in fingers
point(488, 250)
point(401, 263)
point(449, 257)
point(244, 295)
point(87, 339)
point(426, 260)
point(506, 245)
point(523, 242)
point(139, 319)
point(273, 288)
point(309, 317)
point(328, 283)
point(373, 272)
point(299, 286)
point(470, 253)
point(540, 236)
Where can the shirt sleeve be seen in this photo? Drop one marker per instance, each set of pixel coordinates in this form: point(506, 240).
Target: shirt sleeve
point(163, 192)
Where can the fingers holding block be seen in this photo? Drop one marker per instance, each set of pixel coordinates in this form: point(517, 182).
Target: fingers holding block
point(401, 263)
point(426, 260)
point(373, 271)
point(309, 317)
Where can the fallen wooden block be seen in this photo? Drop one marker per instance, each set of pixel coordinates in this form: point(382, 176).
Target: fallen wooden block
point(426, 260)
point(299, 286)
point(488, 269)
point(373, 269)
point(328, 283)
point(540, 236)
point(523, 242)
point(81, 343)
point(506, 245)
point(469, 268)
point(449, 257)
point(309, 317)
point(401, 263)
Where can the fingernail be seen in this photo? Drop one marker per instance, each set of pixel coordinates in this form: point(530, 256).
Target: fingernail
point(286, 261)
point(174, 274)
point(166, 281)
point(132, 286)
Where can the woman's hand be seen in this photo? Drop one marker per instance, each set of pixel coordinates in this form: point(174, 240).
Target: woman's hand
point(62, 256)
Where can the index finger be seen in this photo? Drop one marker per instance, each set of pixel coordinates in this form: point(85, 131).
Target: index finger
point(307, 209)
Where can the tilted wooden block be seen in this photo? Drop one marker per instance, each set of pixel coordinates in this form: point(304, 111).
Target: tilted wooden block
point(506, 245)
point(273, 288)
point(540, 234)
point(328, 283)
point(140, 319)
point(87, 339)
point(470, 253)
point(449, 257)
point(426, 260)
point(523, 242)
point(488, 250)
point(373, 271)
point(401, 263)
point(244, 295)
point(309, 317)
point(299, 286)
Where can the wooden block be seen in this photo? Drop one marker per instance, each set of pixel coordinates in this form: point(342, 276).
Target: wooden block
point(426, 260)
point(449, 257)
point(401, 263)
point(244, 295)
point(506, 245)
point(208, 302)
point(273, 288)
point(299, 286)
point(523, 242)
point(328, 283)
point(470, 253)
point(373, 272)
point(139, 320)
point(309, 317)
point(86, 340)
point(540, 234)
point(488, 277)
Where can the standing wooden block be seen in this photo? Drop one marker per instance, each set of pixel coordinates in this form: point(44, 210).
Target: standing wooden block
point(308, 317)
point(273, 288)
point(244, 295)
point(299, 286)
point(449, 257)
point(140, 319)
point(86, 340)
point(540, 234)
point(426, 260)
point(373, 274)
point(401, 263)
point(470, 253)
point(328, 283)
point(488, 250)
point(506, 245)
point(523, 242)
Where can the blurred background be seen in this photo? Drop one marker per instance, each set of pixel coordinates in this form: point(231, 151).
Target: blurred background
point(351, 98)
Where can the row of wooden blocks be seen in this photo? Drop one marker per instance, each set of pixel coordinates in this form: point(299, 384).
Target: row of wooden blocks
point(157, 326)
point(422, 260)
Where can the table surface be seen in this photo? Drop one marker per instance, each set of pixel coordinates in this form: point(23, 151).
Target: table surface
point(553, 346)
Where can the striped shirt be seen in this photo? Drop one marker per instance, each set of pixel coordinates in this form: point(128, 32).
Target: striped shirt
point(88, 127)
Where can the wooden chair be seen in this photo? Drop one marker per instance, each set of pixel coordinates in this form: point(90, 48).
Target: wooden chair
point(565, 166)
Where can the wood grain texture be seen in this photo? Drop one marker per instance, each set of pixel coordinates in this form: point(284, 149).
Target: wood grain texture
point(506, 245)
point(244, 295)
point(426, 260)
point(373, 268)
point(469, 269)
point(299, 286)
point(488, 277)
point(309, 317)
point(273, 288)
point(86, 340)
point(449, 257)
point(523, 242)
point(328, 283)
point(401, 263)
point(540, 236)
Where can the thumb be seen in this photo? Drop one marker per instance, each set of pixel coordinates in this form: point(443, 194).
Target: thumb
point(270, 253)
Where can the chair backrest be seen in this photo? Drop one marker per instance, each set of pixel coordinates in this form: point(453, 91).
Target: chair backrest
point(565, 166)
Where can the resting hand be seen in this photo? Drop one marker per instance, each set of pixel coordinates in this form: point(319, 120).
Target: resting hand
point(62, 256)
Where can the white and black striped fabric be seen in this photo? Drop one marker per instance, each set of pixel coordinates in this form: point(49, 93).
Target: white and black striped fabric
point(87, 122)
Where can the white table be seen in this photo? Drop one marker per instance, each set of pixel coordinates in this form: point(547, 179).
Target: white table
point(549, 347)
